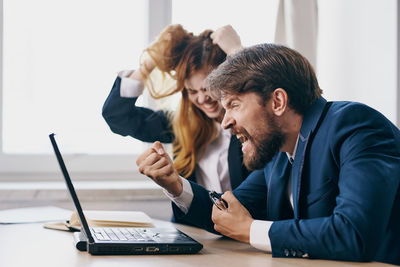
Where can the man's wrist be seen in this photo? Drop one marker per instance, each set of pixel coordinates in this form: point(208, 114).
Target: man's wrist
point(249, 230)
point(183, 201)
point(176, 188)
point(259, 237)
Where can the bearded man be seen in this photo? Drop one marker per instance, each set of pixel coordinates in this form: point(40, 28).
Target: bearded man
point(326, 179)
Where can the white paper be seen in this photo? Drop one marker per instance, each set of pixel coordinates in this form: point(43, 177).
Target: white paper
point(117, 216)
point(34, 215)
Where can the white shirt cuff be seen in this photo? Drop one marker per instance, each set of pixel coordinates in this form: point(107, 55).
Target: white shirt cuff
point(184, 200)
point(259, 237)
point(130, 88)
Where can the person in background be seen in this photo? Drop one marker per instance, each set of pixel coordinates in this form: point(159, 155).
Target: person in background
point(326, 179)
point(203, 152)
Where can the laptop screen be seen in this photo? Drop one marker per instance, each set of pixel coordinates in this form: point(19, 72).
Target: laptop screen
point(71, 189)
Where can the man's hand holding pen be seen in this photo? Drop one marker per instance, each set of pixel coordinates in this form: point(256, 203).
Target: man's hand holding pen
point(235, 221)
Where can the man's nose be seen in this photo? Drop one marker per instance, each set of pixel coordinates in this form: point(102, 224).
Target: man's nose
point(227, 121)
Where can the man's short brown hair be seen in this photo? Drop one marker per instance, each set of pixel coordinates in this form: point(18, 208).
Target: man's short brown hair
point(264, 68)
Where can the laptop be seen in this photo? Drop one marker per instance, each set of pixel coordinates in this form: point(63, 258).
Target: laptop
point(128, 240)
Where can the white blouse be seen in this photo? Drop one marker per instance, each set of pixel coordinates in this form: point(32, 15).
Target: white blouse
point(212, 170)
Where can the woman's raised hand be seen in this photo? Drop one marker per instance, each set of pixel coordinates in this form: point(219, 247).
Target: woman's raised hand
point(228, 39)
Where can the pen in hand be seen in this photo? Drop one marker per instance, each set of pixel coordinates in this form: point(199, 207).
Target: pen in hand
point(218, 201)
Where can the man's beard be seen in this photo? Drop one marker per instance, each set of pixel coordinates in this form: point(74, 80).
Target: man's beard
point(266, 148)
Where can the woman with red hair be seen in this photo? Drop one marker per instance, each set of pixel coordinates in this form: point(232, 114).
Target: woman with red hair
point(202, 150)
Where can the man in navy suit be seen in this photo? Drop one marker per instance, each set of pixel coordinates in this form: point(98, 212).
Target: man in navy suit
point(326, 175)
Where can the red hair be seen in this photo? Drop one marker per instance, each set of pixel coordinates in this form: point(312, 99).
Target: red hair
point(180, 54)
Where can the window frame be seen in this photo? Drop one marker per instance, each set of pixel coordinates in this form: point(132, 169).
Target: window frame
point(28, 167)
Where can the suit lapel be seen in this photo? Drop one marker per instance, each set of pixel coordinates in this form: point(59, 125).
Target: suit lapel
point(278, 204)
point(297, 170)
point(308, 126)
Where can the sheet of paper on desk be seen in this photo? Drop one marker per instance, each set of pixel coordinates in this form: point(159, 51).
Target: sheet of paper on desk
point(34, 215)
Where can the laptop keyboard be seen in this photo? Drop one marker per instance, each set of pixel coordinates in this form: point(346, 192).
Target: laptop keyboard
point(120, 234)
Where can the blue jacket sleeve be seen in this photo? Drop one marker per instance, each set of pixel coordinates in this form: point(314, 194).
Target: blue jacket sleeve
point(199, 213)
point(253, 194)
point(125, 118)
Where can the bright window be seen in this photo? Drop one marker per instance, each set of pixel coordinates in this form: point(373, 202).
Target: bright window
point(60, 59)
point(357, 53)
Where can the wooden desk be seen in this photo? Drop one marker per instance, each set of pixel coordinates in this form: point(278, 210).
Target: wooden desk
point(31, 245)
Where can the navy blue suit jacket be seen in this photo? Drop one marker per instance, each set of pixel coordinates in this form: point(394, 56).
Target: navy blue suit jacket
point(345, 185)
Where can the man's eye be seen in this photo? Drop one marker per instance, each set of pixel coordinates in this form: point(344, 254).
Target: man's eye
point(192, 92)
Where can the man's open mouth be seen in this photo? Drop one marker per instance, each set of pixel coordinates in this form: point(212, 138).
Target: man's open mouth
point(242, 138)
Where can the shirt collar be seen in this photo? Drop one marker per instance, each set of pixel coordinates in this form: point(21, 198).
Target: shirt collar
point(293, 154)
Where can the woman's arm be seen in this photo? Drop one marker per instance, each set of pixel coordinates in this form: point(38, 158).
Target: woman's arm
point(147, 66)
point(125, 118)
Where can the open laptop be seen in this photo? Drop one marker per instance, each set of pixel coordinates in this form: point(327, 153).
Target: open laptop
point(129, 240)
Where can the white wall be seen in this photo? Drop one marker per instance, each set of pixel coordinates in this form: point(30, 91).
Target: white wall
point(357, 56)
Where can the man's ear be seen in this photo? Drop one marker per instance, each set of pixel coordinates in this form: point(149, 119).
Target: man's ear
point(279, 101)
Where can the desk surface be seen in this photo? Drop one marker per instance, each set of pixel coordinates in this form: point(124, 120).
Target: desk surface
point(32, 245)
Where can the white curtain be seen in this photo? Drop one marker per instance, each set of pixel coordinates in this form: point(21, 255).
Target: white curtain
point(297, 27)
